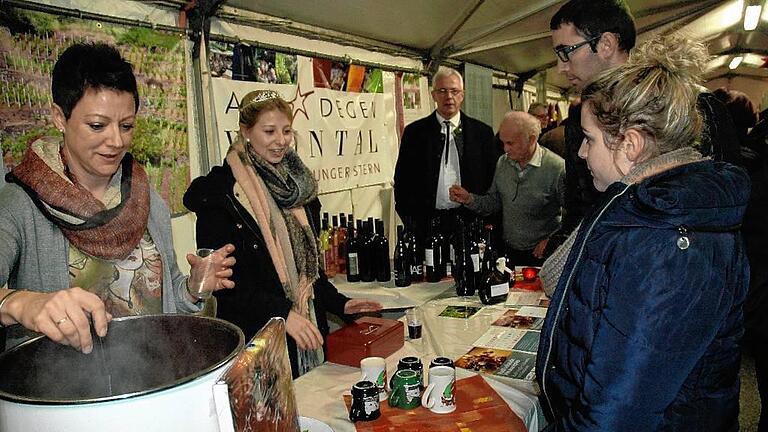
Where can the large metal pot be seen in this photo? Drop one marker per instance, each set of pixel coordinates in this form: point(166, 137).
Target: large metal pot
point(150, 373)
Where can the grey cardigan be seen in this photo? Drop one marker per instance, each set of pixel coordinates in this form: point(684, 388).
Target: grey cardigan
point(34, 252)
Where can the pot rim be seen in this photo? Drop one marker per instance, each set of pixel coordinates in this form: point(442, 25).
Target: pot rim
point(179, 382)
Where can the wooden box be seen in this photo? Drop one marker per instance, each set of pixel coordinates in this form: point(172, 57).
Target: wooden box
point(366, 337)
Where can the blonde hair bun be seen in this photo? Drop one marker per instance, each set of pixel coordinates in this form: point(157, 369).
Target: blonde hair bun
point(655, 93)
point(675, 54)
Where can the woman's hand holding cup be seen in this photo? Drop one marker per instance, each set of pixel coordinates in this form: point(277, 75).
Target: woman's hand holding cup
point(210, 271)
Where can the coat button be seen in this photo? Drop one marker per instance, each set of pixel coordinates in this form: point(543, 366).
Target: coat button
point(239, 226)
point(255, 246)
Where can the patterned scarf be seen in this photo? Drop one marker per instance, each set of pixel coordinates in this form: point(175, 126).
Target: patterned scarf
point(277, 195)
point(106, 233)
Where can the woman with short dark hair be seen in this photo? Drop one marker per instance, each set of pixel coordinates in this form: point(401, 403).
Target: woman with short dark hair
point(83, 237)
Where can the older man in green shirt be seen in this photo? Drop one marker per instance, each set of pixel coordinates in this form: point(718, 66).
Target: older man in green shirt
point(528, 187)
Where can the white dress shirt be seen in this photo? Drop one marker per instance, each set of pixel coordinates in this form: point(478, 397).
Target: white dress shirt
point(450, 173)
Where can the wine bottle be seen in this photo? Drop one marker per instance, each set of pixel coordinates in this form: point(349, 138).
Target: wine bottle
point(383, 268)
point(465, 273)
point(432, 254)
point(325, 244)
point(367, 252)
point(402, 260)
point(353, 269)
point(447, 250)
point(415, 255)
point(490, 254)
point(333, 239)
point(341, 233)
point(495, 287)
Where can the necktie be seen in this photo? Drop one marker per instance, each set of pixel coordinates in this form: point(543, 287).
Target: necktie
point(447, 140)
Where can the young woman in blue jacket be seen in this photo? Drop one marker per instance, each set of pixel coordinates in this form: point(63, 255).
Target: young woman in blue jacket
point(644, 328)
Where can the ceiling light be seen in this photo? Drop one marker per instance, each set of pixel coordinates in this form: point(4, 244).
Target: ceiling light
point(735, 62)
point(752, 17)
point(732, 14)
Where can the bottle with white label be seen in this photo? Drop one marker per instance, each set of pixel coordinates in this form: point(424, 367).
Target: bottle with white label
point(353, 269)
point(495, 287)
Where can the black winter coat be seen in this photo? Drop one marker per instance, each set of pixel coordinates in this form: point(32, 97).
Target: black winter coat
point(258, 294)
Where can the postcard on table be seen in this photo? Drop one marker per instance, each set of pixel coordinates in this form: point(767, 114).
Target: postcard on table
point(500, 338)
point(481, 359)
point(512, 318)
point(519, 365)
point(533, 311)
point(459, 311)
point(529, 342)
point(523, 298)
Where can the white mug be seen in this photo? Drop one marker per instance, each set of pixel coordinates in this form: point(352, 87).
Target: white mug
point(440, 394)
point(374, 369)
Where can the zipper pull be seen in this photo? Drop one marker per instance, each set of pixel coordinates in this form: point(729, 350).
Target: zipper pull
point(683, 242)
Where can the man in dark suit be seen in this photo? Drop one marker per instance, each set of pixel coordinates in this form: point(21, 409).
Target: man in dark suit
point(443, 149)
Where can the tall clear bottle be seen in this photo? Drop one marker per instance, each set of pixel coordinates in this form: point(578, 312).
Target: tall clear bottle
point(328, 252)
point(341, 234)
point(383, 267)
point(402, 260)
point(353, 269)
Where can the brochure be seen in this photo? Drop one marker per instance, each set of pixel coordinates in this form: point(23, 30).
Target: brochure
point(459, 311)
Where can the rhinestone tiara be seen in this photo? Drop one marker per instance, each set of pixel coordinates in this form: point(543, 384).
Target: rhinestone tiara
point(264, 95)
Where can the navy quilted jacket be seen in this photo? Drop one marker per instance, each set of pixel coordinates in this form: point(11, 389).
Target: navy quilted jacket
point(643, 331)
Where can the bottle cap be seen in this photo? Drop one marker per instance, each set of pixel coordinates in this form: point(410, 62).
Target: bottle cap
point(501, 265)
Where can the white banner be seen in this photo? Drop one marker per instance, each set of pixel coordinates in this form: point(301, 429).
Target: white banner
point(347, 139)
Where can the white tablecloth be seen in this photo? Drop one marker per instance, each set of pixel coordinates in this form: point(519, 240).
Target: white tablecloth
point(392, 297)
point(319, 392)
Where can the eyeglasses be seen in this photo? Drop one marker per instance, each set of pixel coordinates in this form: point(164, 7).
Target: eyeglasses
point(563, 51)
point(443, 92)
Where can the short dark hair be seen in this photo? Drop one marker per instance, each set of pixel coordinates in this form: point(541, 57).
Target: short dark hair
point(595, 17)
point(85, 66)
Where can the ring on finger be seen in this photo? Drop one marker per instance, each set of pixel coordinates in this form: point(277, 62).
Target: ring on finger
point(61, 321)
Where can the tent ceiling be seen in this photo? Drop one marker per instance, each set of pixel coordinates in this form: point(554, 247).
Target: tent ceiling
point(513, 35)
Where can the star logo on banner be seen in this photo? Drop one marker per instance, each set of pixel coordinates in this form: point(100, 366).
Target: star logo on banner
point(295, 101)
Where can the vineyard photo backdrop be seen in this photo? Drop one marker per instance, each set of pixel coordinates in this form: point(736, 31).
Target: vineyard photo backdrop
point(30, 43)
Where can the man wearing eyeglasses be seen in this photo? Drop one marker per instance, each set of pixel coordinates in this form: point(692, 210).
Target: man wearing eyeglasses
point(443, 149)
point(589, 37)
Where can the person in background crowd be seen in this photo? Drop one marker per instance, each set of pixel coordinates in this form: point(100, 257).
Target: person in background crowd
point(82, 234)
point(443, 149)
point(555, 138)
point(528, 187)
point(644, 328)
point(541, 112)
point(591, 36)
point(264, 200)
point(755, 232)
point(741, 109)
